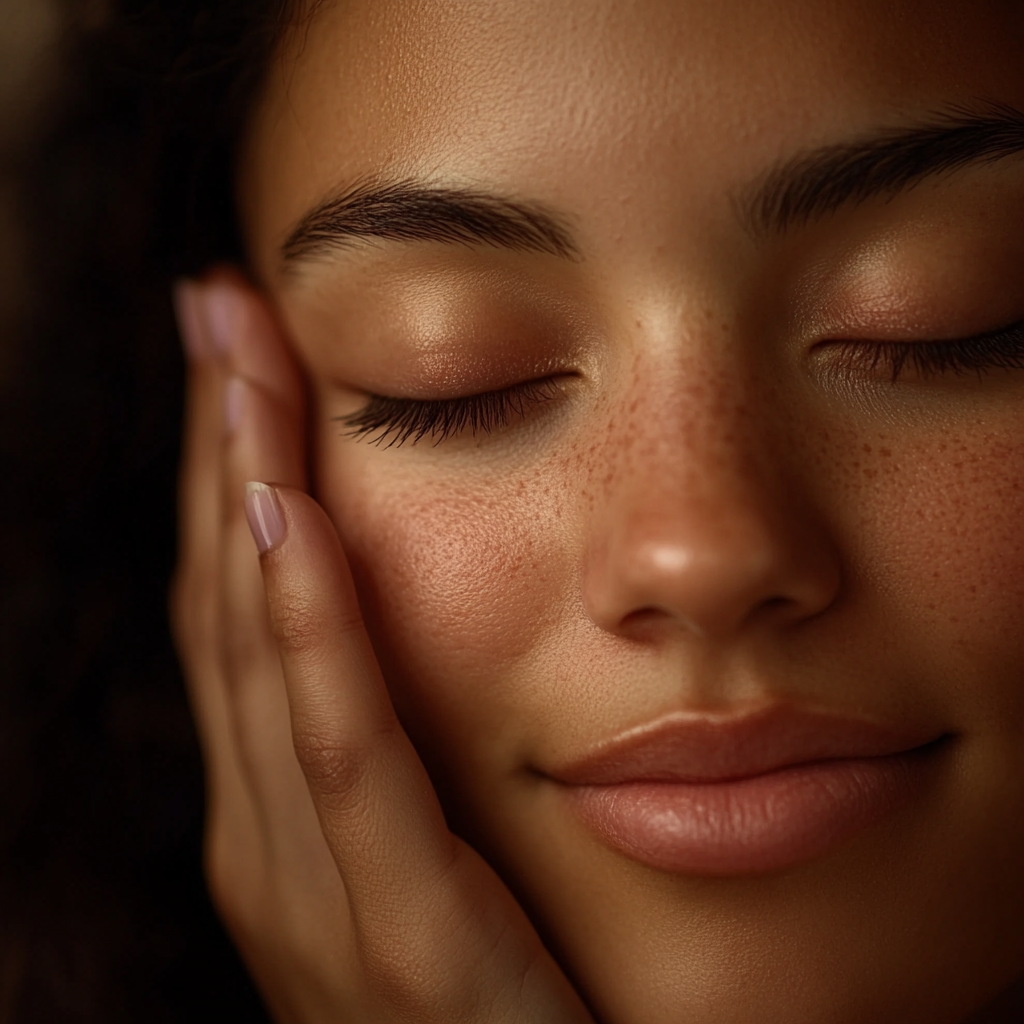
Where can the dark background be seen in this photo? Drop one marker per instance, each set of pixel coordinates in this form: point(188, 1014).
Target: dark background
point(103, 911)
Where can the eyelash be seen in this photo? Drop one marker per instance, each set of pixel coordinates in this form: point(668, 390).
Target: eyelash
point(1002, 349)
point(412, 419)
point(409, 419)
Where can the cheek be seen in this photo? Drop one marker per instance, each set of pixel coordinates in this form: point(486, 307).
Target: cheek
point(941, 542)
point(462, 577)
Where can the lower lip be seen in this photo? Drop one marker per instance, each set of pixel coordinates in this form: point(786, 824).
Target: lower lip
point(748, 826)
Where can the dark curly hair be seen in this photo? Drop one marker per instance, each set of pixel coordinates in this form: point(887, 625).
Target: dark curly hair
point(128, 184)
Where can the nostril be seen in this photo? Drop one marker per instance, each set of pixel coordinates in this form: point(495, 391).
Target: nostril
point(641, 621)
point(705, 570)
point(776, 608)
point(641, 617)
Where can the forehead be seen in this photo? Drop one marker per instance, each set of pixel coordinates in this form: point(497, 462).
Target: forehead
point(620, 105)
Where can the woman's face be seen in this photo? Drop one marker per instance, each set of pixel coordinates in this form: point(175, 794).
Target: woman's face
point(714, 503)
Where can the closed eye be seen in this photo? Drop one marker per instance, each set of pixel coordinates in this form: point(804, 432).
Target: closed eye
point(413, 419)
point(1001, 349)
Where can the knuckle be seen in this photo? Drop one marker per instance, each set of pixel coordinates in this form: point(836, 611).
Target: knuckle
point(419, 992)
point(304, 615)
point(297, 633)
point(334, 768)
point(410, 992)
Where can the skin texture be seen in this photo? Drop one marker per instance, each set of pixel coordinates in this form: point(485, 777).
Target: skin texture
point(709, 516)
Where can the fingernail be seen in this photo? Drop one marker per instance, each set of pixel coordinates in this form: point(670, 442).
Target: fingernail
point(263, 511)
point(223, 310)
point(190, 323)
point(234, 396)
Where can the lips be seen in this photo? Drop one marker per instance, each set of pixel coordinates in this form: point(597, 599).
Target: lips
point(748, 794)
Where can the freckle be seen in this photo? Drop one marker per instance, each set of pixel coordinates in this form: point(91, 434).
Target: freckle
point(886, 453)
point(871, 473)
point(867, 448)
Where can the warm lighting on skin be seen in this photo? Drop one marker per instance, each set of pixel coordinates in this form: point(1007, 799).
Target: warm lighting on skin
point(701, 521)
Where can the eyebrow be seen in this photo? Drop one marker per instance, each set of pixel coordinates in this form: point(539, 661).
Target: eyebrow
point(805, 188)
point(415, 211)
point(815, 184)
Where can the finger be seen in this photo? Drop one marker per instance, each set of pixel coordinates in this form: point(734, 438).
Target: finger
point(360, 765)
point(436, 927)
point(264, 436)
point(251, 338)
point(265, 440)
point(195, 603)
point(269, 868)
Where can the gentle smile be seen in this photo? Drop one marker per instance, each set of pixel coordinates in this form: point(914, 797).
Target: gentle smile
point(745, 795)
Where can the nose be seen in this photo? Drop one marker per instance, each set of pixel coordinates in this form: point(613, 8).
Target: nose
point(706, 552)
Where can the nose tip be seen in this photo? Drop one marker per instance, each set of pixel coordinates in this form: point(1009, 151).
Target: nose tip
point(658, 559)
point(710, 574)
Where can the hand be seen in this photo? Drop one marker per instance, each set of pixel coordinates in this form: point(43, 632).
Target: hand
point(327, 852)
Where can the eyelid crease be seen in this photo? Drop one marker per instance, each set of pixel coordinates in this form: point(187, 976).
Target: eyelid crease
point(415, 418)
point(1000, 349)
point(405, 419)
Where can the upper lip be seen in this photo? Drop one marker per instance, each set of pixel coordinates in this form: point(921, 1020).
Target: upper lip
point(702, 747)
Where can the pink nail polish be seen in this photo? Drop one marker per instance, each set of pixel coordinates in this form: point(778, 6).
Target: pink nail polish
point(223, 310)
point(234, 397)
point(263, 511)
point(190, 324)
